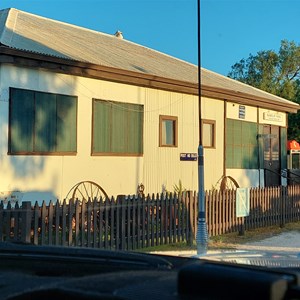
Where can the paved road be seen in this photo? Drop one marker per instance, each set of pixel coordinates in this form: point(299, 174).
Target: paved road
point(286, 241)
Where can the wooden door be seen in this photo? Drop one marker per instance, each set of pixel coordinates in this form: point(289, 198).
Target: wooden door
point(272, 156)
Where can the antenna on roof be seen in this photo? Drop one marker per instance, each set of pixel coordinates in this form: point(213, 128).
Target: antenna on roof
point(119, 34)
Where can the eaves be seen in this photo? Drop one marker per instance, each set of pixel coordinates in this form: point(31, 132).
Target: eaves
point(247, 99)
point(85, 69)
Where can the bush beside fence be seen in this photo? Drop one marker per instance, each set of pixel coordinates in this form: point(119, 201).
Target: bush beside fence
point(129, 223)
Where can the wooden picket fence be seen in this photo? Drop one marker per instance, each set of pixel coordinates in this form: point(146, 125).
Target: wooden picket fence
point(268, 206)
point(125, 223)
point(129, 223)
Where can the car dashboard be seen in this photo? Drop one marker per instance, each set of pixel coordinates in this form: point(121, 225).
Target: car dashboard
point(37, 272)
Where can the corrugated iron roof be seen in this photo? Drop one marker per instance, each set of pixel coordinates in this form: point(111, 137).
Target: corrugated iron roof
point(28, 32)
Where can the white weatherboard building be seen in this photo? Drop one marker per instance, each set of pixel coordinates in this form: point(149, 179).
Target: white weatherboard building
point(78, 105)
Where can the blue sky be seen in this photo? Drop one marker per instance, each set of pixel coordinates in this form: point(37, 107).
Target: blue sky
point(230, 29)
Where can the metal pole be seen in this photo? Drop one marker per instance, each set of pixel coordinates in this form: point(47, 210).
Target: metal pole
point(202, 235)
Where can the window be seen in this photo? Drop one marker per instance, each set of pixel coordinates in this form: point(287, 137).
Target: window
point(208, 133)
point(42, 123)
point(241, 145)
point(168, 131)
point(117, 128)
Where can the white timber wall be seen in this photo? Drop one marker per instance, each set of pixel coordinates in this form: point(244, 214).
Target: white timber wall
point(214, 157)
point(51, 177)
point(162, 166)
point(246, 177)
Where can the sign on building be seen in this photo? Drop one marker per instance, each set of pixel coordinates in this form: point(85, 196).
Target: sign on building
point(242, 202)
point(188, 156)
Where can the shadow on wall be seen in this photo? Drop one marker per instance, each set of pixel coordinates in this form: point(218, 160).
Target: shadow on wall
point(32, 196)
point(23, 167)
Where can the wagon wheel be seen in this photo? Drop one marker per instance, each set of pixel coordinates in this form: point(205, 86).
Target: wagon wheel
point(86, 190)
point(228, 183)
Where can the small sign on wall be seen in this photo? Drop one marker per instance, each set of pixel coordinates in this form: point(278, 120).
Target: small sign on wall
point(242, 112)
point(188, 156)
point(242, 202)
point(273, 116)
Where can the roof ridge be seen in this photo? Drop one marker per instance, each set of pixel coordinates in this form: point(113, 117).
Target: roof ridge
point(54, 21)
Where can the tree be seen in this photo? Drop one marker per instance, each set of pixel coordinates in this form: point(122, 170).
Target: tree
point(276, 73)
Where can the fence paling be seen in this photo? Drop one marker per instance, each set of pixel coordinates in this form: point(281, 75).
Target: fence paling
point(135, 222)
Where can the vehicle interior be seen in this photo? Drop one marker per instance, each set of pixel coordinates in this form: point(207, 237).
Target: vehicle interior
point(36, 272)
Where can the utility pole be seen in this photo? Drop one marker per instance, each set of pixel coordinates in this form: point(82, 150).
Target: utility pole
point(202, 235)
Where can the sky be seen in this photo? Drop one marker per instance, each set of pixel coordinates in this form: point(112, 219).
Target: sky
point(230, 29)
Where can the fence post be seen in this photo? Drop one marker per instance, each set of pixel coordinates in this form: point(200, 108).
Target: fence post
point(26, 222)
point(283, 205)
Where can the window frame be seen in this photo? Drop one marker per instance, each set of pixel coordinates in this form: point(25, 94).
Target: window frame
point(34, 145)
point(101, 153)
point(163, 118)
point(213, 124)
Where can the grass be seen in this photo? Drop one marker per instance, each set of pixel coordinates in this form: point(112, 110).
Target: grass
point(229, 240)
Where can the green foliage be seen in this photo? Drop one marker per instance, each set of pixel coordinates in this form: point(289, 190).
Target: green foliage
point(179, 189)
point(274, 72)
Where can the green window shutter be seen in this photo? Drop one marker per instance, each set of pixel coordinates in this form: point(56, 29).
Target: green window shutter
point(241, 145)
point(42, 122)
point(237, 157)
point(45, 122)
point(237, 133)
point(66, 122)
point(135, 128)
point(229, 143)
point(21, 121)
point(245, 155)
point(253, 146)
point(101, 126)
point(237, 144)
point(250, 157)
point(117, 128)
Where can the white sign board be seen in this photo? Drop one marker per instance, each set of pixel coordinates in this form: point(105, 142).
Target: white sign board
point(242, 202)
